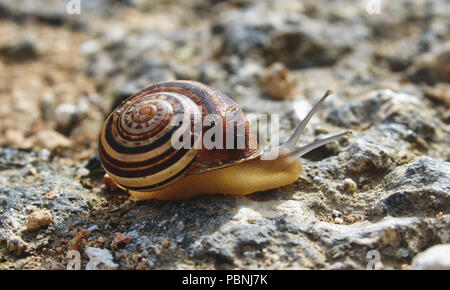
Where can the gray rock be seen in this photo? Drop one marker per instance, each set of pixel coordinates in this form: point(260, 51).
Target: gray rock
point(20, 51)
point(432, 67)
point(385, 107)
point(67, 116)
point(100, 259)
point(434, 258)
point(22, 191)
point(284, 36)
point(420, 188)
point(53, 12)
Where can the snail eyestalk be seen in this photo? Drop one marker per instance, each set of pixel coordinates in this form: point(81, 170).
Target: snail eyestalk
point(291, 143)
point(308, 148)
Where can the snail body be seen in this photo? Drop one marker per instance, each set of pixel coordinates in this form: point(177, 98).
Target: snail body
point(241, 179)
point(137, 151)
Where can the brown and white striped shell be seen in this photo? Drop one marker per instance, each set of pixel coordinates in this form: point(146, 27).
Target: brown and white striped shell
point(135, 141)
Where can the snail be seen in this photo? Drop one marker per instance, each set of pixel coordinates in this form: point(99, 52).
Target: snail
point(136, 146)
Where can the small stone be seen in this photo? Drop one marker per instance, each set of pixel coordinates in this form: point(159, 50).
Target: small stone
point(279, 82)
point(165, 244)
point(19, 50)
point(100, 259)
point(45, 154)
point(406, 267)
point(82, 172)
point(39, 219)
point(30, 208)
point(403, 253)
point(93, 228)
point(349, 219)
point(16, 245)
point(336, 213)
point(338, 221)
point(391, 237)
point(78, 239)
point(47, 106)
point(349, 185)
point(440, 93)
point(434, 258)
point(51, 195)
point(142, 266)
point(32, 171)
point(108, 183)
point(66, 115)
point(432, 67)
point(121, 238)
point(90, 47)
point(50, 139)
point(15, 138)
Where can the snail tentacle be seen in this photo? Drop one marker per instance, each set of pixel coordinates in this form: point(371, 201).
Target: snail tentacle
point(291, 143)
point(309, 147)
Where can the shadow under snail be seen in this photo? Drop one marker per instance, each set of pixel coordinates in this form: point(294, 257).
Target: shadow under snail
point(136, 151)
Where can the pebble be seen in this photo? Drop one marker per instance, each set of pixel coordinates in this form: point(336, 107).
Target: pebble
point(336, 213)
point(440, 93)
point(121, 238)
point(279, 82)
point(39, 219)
point(32, 170)
point(20, 50)
point(16, 245)
point(165, 244)
point(47, 106)
point(51, 195)
point(350, 219)
point(66, 115)
point(15, 138)
point(100, 259)
point(50, 139)
point(90, 47)
point(93, 228)
point(108, 183)
point(45, 154)
point(349, 185)
point(434, 258)
point(82, 172)
point(391, 237)
point(30, 208)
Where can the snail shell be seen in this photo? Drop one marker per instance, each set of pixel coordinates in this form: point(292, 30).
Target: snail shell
point(135, 141)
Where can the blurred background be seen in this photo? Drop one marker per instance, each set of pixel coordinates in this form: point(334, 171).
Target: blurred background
point(63, 63)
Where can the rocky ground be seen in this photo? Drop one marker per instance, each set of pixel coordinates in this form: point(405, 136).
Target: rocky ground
point(381, 195)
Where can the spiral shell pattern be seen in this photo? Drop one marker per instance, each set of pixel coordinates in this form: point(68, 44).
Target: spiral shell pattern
point(135, 142)
point(135, 145)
